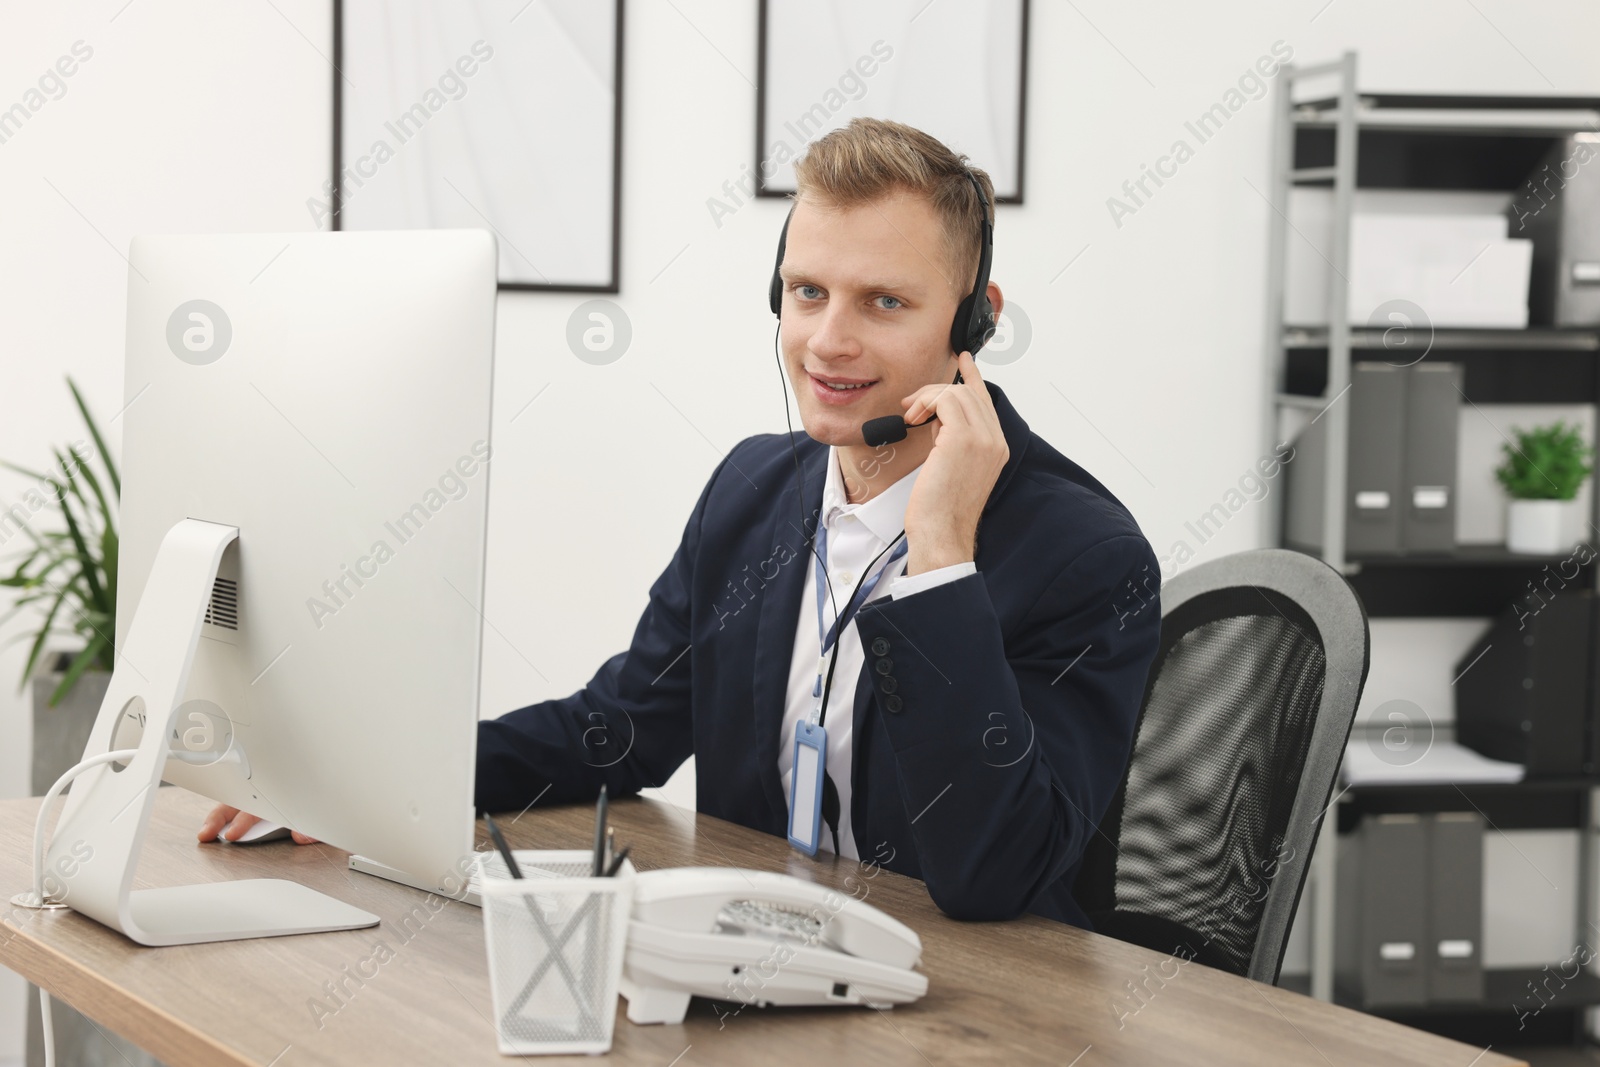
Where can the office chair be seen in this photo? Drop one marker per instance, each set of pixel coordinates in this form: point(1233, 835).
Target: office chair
point(1247, 709)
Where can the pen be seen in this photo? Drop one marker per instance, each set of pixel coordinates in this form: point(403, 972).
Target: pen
point(599, 832)
point(611, 846)
point(500, 843)
point(616, 864)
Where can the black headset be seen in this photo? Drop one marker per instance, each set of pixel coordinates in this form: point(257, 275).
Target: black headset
point(974, 323)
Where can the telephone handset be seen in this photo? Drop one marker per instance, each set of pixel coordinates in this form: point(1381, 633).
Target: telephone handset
point(760, 938)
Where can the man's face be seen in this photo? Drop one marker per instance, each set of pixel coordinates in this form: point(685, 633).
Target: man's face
point(867, 301)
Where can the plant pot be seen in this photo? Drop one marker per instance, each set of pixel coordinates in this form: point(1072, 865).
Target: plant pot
point(59, 736)
point(60, 733)
point(1537, 526)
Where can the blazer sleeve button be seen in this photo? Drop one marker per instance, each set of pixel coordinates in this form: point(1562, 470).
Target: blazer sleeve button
point(880, 647)
point(893, 704)
point(885, 666)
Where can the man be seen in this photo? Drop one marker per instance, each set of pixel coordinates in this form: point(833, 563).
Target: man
point(979, 704)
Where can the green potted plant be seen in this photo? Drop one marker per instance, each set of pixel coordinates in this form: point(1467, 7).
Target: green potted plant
point(67, 573)
point(1542, 473)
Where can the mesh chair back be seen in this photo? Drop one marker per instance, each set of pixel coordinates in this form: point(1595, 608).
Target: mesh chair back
point(1246, 713)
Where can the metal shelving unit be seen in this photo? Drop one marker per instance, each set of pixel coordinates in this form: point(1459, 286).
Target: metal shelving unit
point(1550, 364)
point(1342, 174)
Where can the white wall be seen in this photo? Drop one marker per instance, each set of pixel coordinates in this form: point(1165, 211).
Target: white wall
point(208, 117)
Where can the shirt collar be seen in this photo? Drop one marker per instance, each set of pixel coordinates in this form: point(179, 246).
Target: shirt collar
point(884, 514)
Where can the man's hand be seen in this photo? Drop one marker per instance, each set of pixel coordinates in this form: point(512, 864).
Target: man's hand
point(969, 450)
point(231, 823)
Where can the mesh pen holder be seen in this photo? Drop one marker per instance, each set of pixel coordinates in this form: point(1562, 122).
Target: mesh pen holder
point(555, 940)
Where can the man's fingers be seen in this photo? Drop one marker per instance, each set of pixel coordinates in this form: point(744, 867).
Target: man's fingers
point(216, 820)
point(953, 405)
point(968, 364)
point(925, 401)
point(241, 822)
point(232, 824)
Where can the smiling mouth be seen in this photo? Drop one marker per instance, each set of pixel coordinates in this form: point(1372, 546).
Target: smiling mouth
point(842, 385)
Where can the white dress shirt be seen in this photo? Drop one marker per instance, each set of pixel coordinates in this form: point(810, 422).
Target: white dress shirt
point(856, 534)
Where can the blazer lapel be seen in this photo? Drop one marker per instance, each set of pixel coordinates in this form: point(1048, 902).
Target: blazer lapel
point(780, 607)
point(1017, 436)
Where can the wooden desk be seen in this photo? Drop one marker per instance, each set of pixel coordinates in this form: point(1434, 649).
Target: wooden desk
point(1030, 991)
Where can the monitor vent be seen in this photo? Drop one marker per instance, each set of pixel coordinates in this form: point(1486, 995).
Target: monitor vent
point(223, 610)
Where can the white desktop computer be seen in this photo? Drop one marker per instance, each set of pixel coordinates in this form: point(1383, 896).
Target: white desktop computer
point(304, 508)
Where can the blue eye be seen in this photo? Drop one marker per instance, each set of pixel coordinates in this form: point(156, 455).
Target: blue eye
point(896, 299)
point(800, 291)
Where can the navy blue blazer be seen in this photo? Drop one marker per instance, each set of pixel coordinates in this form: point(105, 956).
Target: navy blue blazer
point(993, 716)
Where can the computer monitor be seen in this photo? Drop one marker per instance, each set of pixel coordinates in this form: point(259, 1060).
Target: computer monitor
point(299, 595)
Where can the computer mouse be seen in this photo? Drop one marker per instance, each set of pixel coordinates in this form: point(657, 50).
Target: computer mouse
point(260, 833)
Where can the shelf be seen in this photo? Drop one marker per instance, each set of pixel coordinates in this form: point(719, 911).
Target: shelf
point(1533, 339)
point(1538, 785)
point(1459, 102)
point(1504, 989)
point(1495, 555)
point(1535, 116)
point(1489, 376)
point(1531, 804)
point(1478, 583)
point(1310, 175)
point(1412, 141)
point(1531, 123)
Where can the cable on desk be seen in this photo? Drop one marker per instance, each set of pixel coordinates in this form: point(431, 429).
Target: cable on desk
point(36, 899)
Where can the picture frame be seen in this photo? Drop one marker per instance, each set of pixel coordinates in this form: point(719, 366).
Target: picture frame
point(437, 124)
point(893, 60)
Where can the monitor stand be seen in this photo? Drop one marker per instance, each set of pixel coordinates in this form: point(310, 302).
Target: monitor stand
point(102, 827)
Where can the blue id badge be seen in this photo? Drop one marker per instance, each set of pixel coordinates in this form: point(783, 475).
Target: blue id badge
point(805, 788)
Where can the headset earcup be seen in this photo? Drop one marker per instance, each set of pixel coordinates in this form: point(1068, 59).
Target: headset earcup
point(775, 287)
point(961, 328)
point(974, 324)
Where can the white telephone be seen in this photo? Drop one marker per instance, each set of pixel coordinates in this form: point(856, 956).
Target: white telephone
point(755, 937)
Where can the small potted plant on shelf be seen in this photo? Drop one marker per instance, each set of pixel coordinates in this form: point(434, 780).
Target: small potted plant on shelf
point(67, 572)
point(1542, 473)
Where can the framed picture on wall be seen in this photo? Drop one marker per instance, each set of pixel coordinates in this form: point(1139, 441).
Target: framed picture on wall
point(955, 68)
point(490, 116)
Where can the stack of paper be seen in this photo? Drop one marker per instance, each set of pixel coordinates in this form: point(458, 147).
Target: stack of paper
point(1461, 270)
point(1445, 253)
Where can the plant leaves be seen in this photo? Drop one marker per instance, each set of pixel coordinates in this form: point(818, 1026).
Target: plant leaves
point(90, 593)
point(110, 549)
point(1545, 463)
point(106, 518)
point(35, 475)
point(72, 484)
point(99, 442)
point(38, 642)
point(90, 566)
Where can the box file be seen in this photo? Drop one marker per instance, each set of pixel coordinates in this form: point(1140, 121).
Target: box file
point(1400, 481)
point(1455, 929)
point(1530, 690)
point(1558, 206)
point(1410, 898)
point(1428, 464)
point(1381, 957)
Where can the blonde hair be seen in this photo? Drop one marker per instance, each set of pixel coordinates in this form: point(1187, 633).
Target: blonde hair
point(873, 158)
